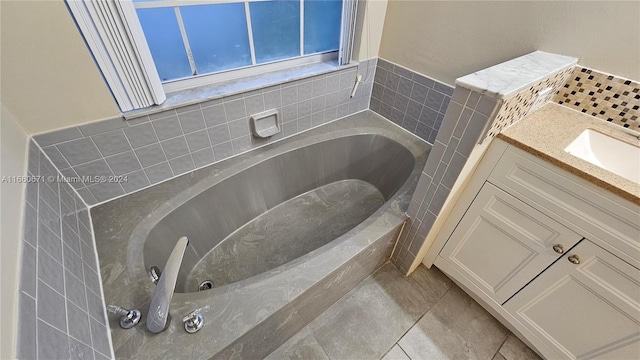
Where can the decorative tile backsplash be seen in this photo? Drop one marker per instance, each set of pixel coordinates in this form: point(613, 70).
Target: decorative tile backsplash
point(604, 96)
point(516, 107)
point(61, 307)
point(409, 99)
point(116, 157)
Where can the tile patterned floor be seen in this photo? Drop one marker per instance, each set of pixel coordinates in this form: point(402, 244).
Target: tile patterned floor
point(390, 317)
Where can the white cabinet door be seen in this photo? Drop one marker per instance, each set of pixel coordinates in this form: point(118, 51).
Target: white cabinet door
point(501, 243)
point(586, 310)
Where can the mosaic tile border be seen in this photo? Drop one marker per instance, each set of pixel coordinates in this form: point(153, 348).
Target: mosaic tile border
point(133, 154)
point(607, 97)
point(518, 106)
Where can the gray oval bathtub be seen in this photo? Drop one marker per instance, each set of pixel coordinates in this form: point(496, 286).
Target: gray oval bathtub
point(280, 233)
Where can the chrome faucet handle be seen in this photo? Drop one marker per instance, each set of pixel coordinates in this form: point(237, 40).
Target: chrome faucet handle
point(193, 321)
point(128, 318)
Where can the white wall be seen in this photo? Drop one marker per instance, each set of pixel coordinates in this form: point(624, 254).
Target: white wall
point(369, 26)
point(13, 152)
point(449, 39)
point(49, 79)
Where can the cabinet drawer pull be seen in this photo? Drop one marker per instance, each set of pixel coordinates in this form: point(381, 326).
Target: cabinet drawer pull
point(574, 259)
point(558, 248)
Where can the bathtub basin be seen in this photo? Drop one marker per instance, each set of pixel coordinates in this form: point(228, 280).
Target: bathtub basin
point(281, 232)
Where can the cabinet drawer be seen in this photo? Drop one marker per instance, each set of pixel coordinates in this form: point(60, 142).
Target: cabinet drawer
point(585, 310)
point(501, 243)
point(610, 221)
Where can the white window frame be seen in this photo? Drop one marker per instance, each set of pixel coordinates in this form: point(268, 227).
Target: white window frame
point(114, 35)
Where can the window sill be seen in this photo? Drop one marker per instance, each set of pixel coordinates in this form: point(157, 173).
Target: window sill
point(218, 90)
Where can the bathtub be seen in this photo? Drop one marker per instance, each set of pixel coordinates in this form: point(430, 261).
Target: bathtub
point(278, 234)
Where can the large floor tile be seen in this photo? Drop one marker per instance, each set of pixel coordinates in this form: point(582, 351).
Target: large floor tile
point(433, 281)
point(302, 346)
point(514, 349)
point(367, 322)
point(455, 328)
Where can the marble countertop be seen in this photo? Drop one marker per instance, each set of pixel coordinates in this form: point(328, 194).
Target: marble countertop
point(505, 79)
point(546, 132)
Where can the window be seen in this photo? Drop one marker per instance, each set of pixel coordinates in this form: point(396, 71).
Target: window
point(148, 47)
point(212, 36)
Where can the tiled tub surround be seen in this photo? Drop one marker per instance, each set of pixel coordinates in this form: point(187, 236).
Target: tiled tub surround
point(482, 104)
point(466, 118)
point(61, 307)
point(411, 100)
point(251, 317)
point(607, 97)
point(154, 148)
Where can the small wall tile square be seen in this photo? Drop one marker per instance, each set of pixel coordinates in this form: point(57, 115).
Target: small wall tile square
point(158, 172)
point(141, 135)
point(135, 180)
point(110, 143)
point(191, 121)
point(123, 163)
point(182, 164)
point(175, 147)
point(79, 151)
point(167, 127)
point(150, 155)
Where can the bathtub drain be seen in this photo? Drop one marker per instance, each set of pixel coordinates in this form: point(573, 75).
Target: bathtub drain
point(205, 285)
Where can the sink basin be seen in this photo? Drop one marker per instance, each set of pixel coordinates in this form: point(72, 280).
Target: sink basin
point(608, 153)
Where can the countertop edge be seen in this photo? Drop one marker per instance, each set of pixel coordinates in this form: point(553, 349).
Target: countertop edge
point(573, 170)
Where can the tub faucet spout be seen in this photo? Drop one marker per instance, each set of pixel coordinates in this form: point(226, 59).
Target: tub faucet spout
point(158, 317)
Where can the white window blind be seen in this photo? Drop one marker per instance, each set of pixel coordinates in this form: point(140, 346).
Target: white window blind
point(348, 30)
point(114, 36)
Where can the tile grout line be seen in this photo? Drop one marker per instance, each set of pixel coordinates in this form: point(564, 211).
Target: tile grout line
point(104, 308)
point(136, 155)
point(109, 166)
point(501, 345)
point(161, 148)
point(185, 139)
point(426, 312)
point(206, 130)
point(41, 153)
point(401, 348)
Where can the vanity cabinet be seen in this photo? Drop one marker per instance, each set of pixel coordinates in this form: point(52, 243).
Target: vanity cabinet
point(585, 305)
point(501, 243)
point(552, 256)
